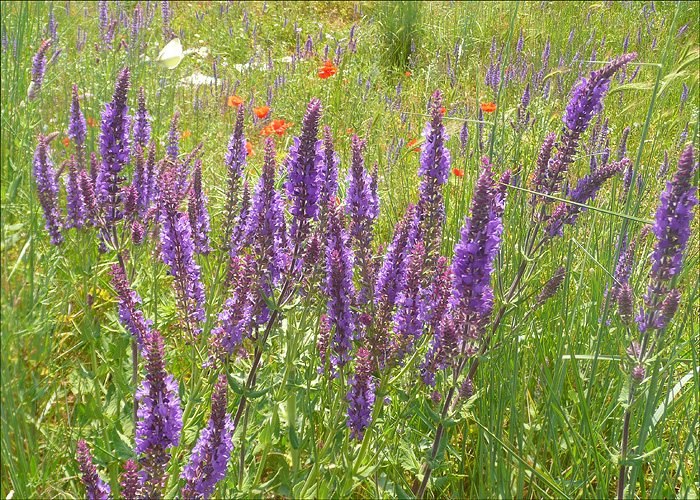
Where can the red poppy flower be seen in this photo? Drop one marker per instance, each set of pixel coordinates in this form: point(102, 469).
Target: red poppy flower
point(458, 172)
point(488, 107)
point(91, 122)
point(442, 110)
point(407, 73)
point(249, 149)
point(276, 127)
point(262, 111)
point(411, 143)
point(234, 100)
point(65, 141)
point(327, 70)
point(350, 131)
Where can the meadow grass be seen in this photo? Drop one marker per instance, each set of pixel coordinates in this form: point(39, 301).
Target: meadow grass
point(546, 418)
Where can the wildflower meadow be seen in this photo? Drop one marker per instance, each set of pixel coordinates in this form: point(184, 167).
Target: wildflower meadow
point(350, 250)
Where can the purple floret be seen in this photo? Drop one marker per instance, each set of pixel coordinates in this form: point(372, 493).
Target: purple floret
point(115, 147)
point(210, 456)
point(47, 189)
point(340, 289)
point(95, 488)
point(177, 248)
point(304, 164)
point(159, 418)
point(361, 396)
point(142, 124)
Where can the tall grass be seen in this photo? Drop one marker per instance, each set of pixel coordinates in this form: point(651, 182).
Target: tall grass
point(546, 419)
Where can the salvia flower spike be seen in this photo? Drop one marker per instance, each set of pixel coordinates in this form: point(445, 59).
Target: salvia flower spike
point(210, 456)
point(95, 488)
point(115, 147)
point(303, 188)
point(47, 189)
point(159, 418)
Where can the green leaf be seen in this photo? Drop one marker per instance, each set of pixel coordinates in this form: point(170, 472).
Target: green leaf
point(623, 399)
point(401, 494)
point(669, 401)
point(257, 394)
point(293, 437)
point(449, 423)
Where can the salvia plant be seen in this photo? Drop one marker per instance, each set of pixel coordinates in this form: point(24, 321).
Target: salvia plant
point(319, 303)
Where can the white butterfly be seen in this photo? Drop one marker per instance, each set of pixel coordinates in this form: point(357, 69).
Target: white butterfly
point(171, 55)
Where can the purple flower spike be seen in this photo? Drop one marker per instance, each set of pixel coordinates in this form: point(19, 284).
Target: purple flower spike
point(38, 68)
point(77, 128)
point(95, 488)
point(304, 165)
point(137, 233)
point(142, 124)
point(673, 216)
point(177, 248)
point(47, 190)
point(235, 319)
point(115, 147)
point(87, 190)
point(392, 274)
point(74, 196)
point(173, 148)
point(329, 168)
point(129, 480)
point(586, 101)
point(159, 418)
point(198, 213)
point(265, 227)
point(472, 264)
point(362, 210)
point(625, 303)
point(339, 288)
point(235, 163)
point(210, 456)
point(361, 396)
point(130, 316)
point(435, 170)
point(551, 287)
point(238, 234)
point(412, 305)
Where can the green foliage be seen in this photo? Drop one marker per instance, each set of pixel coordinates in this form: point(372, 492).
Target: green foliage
point(546, 419)
point(400, 31)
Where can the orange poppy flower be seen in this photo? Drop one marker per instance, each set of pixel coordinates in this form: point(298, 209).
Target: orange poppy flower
point(262, 111)
point(442, 110)
point(277, 127)
point(249, 148)
point(488, 107)
point(186, 134)
point(458, 172)
point(350, 131)
point(91, 122)
point(407, 73)
point(346, 80)
point(234, 100)
point(411, 143)
point(327, 70)
point(65, 141)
